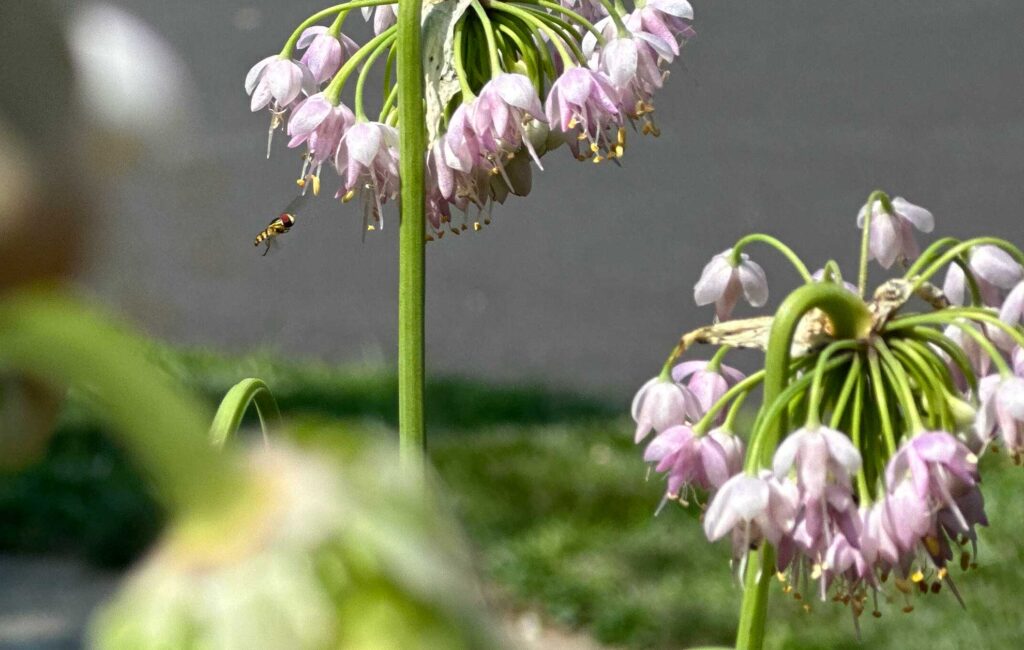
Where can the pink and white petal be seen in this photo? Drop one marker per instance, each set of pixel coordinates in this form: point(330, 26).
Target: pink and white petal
point(308, 115)
point(955, 284)
point(842, 449)
point(677, 8)
point(619, 59)
point(309, 34)
point(996, 266)
point(713, 280)
point(755, 283)
point(915, 214)
point(785, 454)
point(884, 241)
point(261, 96)
point(687, 368)
point(256, 72)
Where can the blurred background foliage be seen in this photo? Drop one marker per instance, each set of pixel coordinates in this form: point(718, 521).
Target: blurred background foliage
point(552, 495)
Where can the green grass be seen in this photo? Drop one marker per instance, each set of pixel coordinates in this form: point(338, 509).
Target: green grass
point(553, 496)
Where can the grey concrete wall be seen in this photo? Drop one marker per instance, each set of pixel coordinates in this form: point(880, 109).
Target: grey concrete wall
point(781, 118)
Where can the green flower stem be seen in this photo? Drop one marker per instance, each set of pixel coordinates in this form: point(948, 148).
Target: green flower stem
point(934, 249)
point(740, 389)
point(863, 487)
point(850, 319)
point(898, 379)
point(388, 87)
point(961, 248)
point(388, 103)
point(527, 54)
point(734, 411)
point(817, 385)
point(335, 28)
point(234, 405)
point(531, 19)
point(955, 316)
point(844, 393)
point(52, 337)
point(928, 382)
point(616, 17)
point(715, 364)
point(566, 32)
point(882, 402)
point(583, 22)
point(954, 352)
point(289, 46)
point(460, 66)
point(364, 73)
point(492, 49)
point(787, 252)
point(412, 240)
point(865, 239)
point(769, 416)
point(333, 90)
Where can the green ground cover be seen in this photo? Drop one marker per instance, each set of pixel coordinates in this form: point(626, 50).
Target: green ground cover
point(552, 495)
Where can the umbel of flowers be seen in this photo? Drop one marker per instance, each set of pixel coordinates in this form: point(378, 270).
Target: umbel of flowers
point(506, 82)
point(859, 478)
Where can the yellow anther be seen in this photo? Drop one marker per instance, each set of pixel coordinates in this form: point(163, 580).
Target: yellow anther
point(370, 227)
point(807, 608)
point(476, 225)
point(301, 182)
point(348, 196)
point(816, 572)
point(573, 122)
point(918, 576)
point(594, 148)
point(619, 150)
point(597, 159)
point(971, 458)
point(781, 576)
point(581, 136)
point(942, 573)
point(316, 186)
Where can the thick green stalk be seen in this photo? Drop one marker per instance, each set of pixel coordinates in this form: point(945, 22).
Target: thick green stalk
point(412, 239)
point(234, 405)
point(50, 336)
point(850, 320)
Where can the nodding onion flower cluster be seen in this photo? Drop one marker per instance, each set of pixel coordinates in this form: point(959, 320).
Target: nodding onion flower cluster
point(861, 469)
point(532, 75)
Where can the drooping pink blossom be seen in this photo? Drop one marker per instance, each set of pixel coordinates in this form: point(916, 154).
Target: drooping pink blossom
point(279, 80)
point(325, 52)
point(660, 404)
point(367, 161)
point(320, 125)
point(891, 236)
point(722, 283)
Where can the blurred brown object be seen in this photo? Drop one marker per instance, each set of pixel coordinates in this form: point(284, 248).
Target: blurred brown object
point(41, 205)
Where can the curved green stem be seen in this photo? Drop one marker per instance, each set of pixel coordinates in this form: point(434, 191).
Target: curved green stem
point(289, 46)
point(929, 254)
point(814, 403)
point(961, 248)
point(411, 245)
point(957, 355)
point(863, 488)
point(460, 66)
point(613, 13)
point(898, 378)
point(532, 19)
point(583, 22)
point(388, 103)
point(333, 90)
point(956, 316)
point(844, 393)
point(787, 252)
point(52, 337)
point(365, 73)
point(882, 402)
point(234, 405)
point(850, 319)
point(740, 388)
point(492, 48)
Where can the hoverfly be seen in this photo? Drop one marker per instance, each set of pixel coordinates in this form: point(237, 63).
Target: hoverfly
point(280, 225)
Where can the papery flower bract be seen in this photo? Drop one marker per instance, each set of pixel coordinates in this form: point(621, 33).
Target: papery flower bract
point(367, 161)
point(891, 236)
point(321, 125)
point(660, 404)
point(277, 79)
point(721, 283)
point(324, 52)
